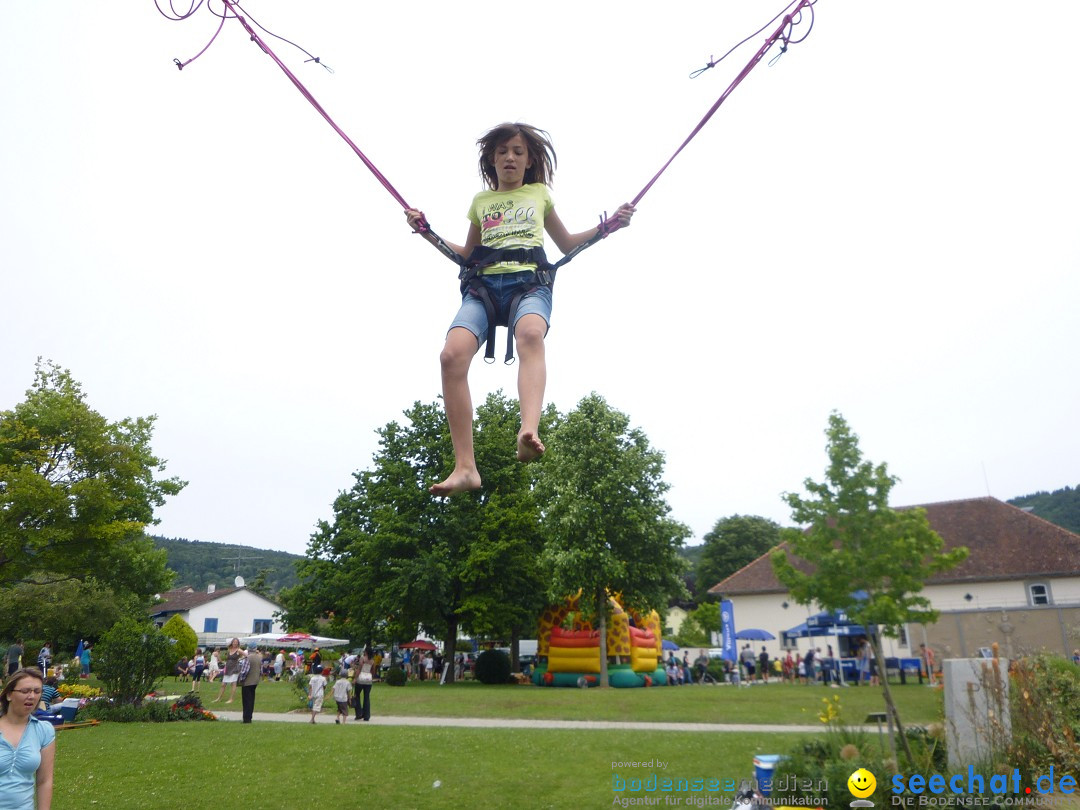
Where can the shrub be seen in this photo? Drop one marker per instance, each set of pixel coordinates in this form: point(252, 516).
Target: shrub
point(1045, 714)
point(187, 641)
point(132, 657)
point(395, 676)
point(493, 666)
point(188, 707)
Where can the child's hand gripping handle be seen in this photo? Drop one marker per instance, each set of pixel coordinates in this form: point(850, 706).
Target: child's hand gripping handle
point(417, 220)
point(620, 219)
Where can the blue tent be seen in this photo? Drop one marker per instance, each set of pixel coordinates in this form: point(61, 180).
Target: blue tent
point(825, 624)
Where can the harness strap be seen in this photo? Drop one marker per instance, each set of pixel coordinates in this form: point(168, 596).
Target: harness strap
point(511, 316)
point(472, 284)
point(482, 257)
point(476, 288)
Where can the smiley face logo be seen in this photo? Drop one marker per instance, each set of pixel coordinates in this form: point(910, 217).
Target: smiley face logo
point(861, 783)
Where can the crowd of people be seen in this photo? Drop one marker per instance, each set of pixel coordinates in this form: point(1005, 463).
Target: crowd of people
point(815, 667)
point(349, 681)
point(13, 659)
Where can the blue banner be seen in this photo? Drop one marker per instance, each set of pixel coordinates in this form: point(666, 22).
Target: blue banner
point(727, 631)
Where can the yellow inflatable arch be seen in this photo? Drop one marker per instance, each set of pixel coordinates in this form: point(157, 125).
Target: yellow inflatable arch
point(576, 652)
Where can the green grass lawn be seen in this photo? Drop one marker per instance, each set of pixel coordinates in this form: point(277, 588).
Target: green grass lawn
point(170, 765)
point(774, 704)
point(163, 766)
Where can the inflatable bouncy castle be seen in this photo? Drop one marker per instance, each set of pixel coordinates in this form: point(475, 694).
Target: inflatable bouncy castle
point(571, 657)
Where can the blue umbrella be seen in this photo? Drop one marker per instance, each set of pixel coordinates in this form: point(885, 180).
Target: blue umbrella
point(753, 634)
point(668, 644)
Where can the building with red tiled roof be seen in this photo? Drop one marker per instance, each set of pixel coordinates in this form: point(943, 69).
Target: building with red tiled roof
point(1019, 587)
point(218, 614)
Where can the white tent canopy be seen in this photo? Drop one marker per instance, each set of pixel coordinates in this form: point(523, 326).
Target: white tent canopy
point(292, 640)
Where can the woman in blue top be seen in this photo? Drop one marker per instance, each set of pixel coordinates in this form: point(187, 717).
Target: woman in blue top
point(84, 659)
point(517, 163)
point(198, 666)
point(27, 751)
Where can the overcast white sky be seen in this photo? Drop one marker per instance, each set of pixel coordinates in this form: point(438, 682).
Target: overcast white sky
point(883, 223)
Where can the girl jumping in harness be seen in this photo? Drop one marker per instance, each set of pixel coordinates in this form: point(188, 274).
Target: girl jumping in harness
point(517, 163)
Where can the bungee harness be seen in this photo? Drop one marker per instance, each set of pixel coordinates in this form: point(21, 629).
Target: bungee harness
point(470, 267)
point(472, 284)
point(543, 276)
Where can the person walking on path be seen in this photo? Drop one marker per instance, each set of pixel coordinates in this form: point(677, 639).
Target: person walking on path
point(317, 692)
point(249, 675)
point(364, 677)
point(343, 691)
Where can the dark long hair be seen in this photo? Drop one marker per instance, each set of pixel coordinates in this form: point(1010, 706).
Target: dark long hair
point(541, 153)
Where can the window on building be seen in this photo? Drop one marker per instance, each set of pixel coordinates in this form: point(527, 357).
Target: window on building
point(1038, 593)
point(209, 625)
point(261, 626)
point(903, 636)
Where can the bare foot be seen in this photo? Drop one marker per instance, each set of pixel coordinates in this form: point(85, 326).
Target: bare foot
point(458, 481)
point(529, 447)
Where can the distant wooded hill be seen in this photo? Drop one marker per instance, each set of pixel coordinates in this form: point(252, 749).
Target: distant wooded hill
point(1062, 506)
point(198, 564)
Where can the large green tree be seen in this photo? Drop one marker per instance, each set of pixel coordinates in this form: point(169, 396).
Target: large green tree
point(733, 542)
point(77, 491)
point(394, 558)
point(64, 612)
point(857, 555)
point(504, 592)
point(698, 626)
point(606, 520)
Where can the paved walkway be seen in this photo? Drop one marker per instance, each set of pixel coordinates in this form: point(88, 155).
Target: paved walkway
point(484, 722)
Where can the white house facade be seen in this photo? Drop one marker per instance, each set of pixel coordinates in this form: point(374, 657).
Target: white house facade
point(218, 615)
point(1019, 588)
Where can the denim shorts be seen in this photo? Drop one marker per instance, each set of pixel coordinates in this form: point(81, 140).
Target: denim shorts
point(502, 287)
